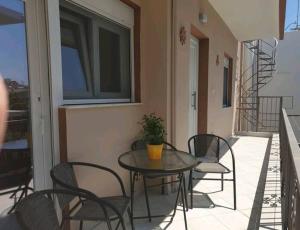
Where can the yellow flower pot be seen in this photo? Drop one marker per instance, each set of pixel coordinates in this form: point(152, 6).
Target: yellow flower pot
point(154, 151)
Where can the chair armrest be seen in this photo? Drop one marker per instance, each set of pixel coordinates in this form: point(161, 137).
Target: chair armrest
point(231, 152)
point(104, 169)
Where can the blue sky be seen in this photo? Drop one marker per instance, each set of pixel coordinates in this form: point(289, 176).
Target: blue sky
point(291, 12)
point(13, 50)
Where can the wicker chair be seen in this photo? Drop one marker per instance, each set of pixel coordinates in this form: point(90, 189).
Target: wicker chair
point(140, 144)
point(37, 211)
point(63, 177)
point(206, 147)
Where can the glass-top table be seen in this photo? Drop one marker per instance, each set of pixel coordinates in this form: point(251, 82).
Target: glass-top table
point(172, 161)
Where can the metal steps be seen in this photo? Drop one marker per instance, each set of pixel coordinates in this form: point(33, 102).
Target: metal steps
point(262, 70)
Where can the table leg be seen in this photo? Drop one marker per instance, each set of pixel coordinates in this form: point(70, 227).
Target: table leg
point(177, 197)
point(183, 200)
point(132, 182)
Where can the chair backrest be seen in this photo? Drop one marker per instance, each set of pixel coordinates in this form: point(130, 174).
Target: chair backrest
point(63, 177)
point(205, 146)
point(141, 144)
point(37, 211)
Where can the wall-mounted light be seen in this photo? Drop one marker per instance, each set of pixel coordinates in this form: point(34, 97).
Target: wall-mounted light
point(203, 18)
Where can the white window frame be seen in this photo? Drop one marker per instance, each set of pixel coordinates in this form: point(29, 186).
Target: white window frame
point(130, 26)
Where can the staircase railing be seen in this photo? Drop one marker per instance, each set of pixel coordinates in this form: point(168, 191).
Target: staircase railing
point(258, 74)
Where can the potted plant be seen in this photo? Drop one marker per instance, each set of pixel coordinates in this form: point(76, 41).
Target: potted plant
point(154, 135)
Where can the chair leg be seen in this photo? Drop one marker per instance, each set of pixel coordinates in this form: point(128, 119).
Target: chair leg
point(81, 225)
point(122, 223)
point(147, 198)
point(163, 186)
point(222, 181)
point(234, 191)
point(185, 193)
point(16, 203)
point(191, 187)
point(131, 219)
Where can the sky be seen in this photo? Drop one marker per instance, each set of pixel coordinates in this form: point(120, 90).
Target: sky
point(13, 49)
point(291, 14)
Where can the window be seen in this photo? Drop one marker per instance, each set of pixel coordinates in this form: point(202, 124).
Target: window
point(96, 60)
point(227, 81)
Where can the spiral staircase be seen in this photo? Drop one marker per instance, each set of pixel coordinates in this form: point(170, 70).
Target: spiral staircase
point(257, 75)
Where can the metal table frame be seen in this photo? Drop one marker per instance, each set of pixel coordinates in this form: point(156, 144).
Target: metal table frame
point(133, 174)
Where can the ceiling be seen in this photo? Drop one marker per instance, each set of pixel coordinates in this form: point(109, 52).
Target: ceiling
point(250, 19)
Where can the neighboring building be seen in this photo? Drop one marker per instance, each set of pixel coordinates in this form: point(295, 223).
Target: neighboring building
point(286, 79)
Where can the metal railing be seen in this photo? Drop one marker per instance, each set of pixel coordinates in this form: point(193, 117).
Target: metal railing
point(266, 117)
point(290, 171)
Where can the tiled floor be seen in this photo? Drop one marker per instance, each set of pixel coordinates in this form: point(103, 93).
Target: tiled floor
point(250, 158)
point(256, 209)
point(271, 208)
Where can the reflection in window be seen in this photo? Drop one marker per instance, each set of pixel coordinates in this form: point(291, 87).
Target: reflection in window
point(95, 56)
point(73, 71)
point(110, 80)
point(15, 154)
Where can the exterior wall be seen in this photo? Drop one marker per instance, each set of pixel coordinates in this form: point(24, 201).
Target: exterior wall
point(99, 134)
point(221, 40)
point(286, 80)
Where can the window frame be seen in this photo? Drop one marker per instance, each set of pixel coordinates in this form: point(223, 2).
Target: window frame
point(94, 16)
point(228, 103)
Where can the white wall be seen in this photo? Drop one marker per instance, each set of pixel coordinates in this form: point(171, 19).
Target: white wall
point(286, 80)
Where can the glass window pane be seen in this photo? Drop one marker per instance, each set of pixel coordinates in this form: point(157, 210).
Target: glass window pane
point(110, 68)
point(16, 152)
point(74, 73)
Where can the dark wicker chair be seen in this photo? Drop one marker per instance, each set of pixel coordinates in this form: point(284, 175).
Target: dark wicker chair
point(63, 177)
point(206, 147)
point(37, 211)
point(140, 144)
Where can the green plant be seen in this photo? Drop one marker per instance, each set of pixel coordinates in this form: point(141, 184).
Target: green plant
point(153, 129)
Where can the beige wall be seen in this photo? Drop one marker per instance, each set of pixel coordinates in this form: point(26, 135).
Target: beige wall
point(99, 134)
point(221, 40)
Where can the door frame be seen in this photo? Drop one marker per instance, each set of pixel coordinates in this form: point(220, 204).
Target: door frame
point(202, 78)
point(193, 85)
point(40, 99)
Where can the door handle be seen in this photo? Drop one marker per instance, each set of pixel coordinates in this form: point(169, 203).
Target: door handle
point(194, 99)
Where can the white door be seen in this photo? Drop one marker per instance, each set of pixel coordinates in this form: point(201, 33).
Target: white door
point(193, 86)
point(37, 47)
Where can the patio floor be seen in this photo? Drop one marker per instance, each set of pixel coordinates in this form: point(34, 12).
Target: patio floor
point(258, 194)
point(255, 167)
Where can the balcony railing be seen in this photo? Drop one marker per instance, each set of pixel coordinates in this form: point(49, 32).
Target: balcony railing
point(290, 171)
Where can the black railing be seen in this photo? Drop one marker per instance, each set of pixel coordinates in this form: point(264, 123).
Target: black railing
point(290, 171)
point(265, 116)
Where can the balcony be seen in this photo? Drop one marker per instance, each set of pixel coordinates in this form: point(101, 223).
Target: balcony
point(258, 193)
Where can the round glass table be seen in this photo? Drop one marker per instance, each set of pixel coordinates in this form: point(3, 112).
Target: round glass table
point(172, 162)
